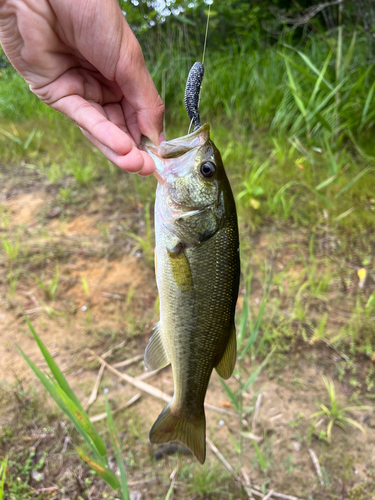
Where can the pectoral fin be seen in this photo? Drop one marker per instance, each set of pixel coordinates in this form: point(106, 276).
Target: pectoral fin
point(226, 365)
point(181, 269)
point(155, 355)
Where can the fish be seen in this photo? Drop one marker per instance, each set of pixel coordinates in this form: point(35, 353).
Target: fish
point(197, 267)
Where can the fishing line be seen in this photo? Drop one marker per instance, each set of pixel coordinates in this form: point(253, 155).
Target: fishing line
point(205, 37)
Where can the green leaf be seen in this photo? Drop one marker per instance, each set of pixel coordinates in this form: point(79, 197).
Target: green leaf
point(231, 395)
point(300, 68)
point(80, 420)
point(255, 329)
point(11, 136)
point(353, 181)
point(254, 375)
point(244, 316)
point(310, 65)
point(116, 448)
point(101, 470)
point(321, 105)
point(261, 460)
point(325, 183)
point(329, 430)
point(70, 399)
point(55, 370)
point(170, 491)
point(29, 139)
point(366, 106)
point(236, 444)
point(3, 470)
point(356, 424)
point(319, 79)
point(295, 91)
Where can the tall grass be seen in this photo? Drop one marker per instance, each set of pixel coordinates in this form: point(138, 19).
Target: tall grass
point(322, 86)
point(305, 107)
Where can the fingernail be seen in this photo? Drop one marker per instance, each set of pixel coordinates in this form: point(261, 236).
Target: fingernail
point(161, 137)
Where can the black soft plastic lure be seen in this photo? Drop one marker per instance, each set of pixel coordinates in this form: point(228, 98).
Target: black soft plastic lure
point(192, 92)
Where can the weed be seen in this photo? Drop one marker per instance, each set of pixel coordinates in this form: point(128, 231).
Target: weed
point(204, 481)
point(4, 218)
point(83, 174)
point(252, 185)
point(49, 289)
point(335, 414)
point(59, 389)
point(249, 329)
point(3, 469)
point(11, 248)
point(25, 145)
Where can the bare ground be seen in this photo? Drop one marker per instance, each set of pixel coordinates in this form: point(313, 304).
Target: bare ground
point(119, 307)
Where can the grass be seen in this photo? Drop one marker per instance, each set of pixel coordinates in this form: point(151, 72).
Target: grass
point(335, 414)
point(3, 468)
point(294, 122)
point(60, 391)
point(49, 289)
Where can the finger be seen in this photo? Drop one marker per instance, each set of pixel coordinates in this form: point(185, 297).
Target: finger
point(144, 115)
point(131, 120)
point(88, 117)
point(135, 161)
point(141, 96)
point(115, 115)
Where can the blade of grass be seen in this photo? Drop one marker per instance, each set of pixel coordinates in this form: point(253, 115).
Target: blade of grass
point(230, 395)
point(29, 139)
point(55, 370)
point(255, 329)
point(319, 80)
point(309, 64)
point(366, 106)
point(3, 470)
point(244, 316)
point(101, 470)
point(68, 395)
point(79, 419)
point(116, 448)
point(260, 457)
point(254, 375)
point(353, 181)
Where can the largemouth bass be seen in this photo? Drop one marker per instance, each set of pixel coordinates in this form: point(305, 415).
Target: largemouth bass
point(197, 273)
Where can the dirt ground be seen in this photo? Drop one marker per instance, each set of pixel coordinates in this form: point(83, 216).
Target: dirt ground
point(108, 301)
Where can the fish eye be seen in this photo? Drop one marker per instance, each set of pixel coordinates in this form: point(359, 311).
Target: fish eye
point(208, 169)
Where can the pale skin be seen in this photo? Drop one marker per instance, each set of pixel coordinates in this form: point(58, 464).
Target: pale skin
point(81, 58)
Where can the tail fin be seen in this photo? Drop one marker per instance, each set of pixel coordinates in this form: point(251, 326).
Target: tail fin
point(174, 427)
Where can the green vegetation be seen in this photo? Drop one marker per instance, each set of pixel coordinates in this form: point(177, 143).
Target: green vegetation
point(335, 414)
point(292, 112)
point(60, 391)
point(3, 468)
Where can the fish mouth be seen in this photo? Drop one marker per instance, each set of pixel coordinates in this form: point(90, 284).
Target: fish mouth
point(177, 154)
point(183, 210)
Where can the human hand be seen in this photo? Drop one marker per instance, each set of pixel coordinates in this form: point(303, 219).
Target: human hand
point(81, 58)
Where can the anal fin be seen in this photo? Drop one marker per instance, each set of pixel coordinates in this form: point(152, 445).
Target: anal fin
point(225, 366)
point(155, 355)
